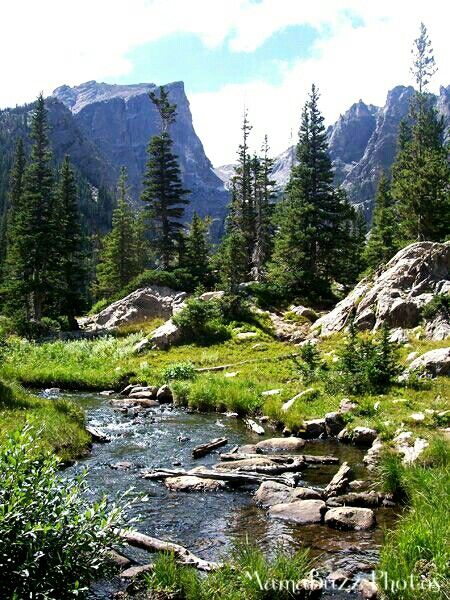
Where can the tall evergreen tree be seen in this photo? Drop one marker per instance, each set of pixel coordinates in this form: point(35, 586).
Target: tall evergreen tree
point(263, 200)
point(12, 208)
point(311, 214)
point(421, 172)
point(197, 251)
point(350, 259)
point(382, 243)
point(119, 261)
point(32, 265)
point(163, 189)
point(72, 295)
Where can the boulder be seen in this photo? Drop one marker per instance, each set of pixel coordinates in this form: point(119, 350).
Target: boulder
point(362, 499)
point(123, 465)
point(142, 389)
point(304, 311)
point(340, 481)
point(166, 335)
point(396, 293)
point(398, 335)
point(271, 492)
point(300, 512)
point(313, 428)
point(368, 589)
point(334, 423)
point(141, 305)
point(212, 295)
point(107, 393)
point(438, 329)
point(144, 344)
point(373, 454)
point(350, 518)
point(346, 406)
point(409, 446)
point(283, 444)
point(164, 394)
point(434, 362)
point(191, 483)
point(360, 436)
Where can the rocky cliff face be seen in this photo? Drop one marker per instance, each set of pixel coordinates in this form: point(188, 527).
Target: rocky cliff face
point(362, 143)
point(120, 119)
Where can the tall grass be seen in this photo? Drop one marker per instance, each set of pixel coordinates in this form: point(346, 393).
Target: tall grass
point(60, 422)
point(242, 577)
point(417, 551)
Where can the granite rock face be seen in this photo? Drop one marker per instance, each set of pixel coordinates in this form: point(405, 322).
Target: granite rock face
point(397, 294)
point(120, 119)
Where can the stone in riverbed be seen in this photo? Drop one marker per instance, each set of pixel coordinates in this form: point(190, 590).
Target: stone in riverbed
point(121, 465)
point(314, 428)
point(107, 393)
point(248, 449)
point(284, 444)
point(301, 512)
point(135, 571)
point(97, 435)
point(135, 389)
point(143, 395)
point(350, 518)
point(340, 481)
point(334, 423)
point(360, 436)
point(368, 589)
point(164, 394)
point(362, 499)
point(191, 483)
point(270, 493)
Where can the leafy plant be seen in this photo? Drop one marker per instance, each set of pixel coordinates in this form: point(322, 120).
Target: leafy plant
point(439, 306)
point(202, 321)
point(53, 541)
point(177, 371)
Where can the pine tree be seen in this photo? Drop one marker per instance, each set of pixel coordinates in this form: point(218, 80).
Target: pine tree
point(72, 295)
point(14, 197)
point(197, 251)
point(163, 189)
point(118, 262)
point(309, 218)
point(32, 266)
point(350, 253)
point(263, 199)
point(231, 260)
point(421, 172)
point(382, 243)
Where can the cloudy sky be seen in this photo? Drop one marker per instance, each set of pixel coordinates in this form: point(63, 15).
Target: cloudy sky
point(262, 54)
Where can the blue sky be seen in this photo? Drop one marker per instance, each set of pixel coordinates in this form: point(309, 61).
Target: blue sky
point(184, 57)
point(262, 54)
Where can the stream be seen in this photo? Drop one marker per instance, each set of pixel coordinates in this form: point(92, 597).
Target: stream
point(209, 523)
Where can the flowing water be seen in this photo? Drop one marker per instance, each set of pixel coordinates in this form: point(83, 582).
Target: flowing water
point(209, 523)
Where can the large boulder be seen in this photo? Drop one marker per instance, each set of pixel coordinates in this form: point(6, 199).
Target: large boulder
point(270, 493)
point(167, 334)
point(191, 483)
point(396, 294)
point(350, 518)
point(300, 512)
point(139, 306)
point(434, 362)
point(286, 444)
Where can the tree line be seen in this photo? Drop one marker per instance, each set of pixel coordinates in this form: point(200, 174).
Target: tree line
point(307, 242)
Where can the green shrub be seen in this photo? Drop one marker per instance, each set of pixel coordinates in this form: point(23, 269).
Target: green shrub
point(53, 542)
point(367, 365)
point(99, 306)
point(439, 306)
point(177, 371)
point(310, 365)
point(202, 321)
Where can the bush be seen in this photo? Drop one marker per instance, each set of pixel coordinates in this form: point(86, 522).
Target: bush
point(202, 321)
point(177, 371)
point(439, 306)
point(310, 365)
point(53, 542)
point(366, 365)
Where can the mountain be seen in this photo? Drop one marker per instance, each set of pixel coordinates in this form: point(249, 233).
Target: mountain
point(103, 127)
point(362, 143)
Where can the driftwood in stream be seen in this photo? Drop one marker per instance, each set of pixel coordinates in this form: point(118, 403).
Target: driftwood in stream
point(203, 449)
point(308, 459)
point(253, 426)
point(264, 466)
point(234, 478)
point(182, 554)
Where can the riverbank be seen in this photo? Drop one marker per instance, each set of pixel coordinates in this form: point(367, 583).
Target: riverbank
point(59, 422)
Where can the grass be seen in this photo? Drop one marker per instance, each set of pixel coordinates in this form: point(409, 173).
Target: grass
point(417, 550)
point(60, 423)
point(239, 579)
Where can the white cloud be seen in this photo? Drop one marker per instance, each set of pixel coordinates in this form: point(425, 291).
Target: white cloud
point(45, 44)
point(347, 65)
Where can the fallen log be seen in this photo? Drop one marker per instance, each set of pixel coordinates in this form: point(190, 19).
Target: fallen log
point(182, 554)
point(278, 467)
point(310, 459)
point(253, 426)
point(135, 571)
point(234, 478)
point(204, 449)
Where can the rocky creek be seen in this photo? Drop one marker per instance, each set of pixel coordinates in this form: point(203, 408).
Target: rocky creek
point(208, 523)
